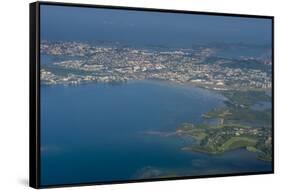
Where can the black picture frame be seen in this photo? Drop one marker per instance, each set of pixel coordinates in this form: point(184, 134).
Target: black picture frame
point(34, 93)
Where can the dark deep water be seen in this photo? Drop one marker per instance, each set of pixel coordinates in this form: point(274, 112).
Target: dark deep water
point(142, 28)
point(98, 132)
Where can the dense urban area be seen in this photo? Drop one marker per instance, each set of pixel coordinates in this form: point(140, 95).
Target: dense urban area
point(200, 66)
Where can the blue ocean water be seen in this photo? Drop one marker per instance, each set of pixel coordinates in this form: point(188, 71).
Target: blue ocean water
point(142, 28)
point(99, 132)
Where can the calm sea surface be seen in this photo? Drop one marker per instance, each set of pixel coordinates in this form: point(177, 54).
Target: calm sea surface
point(141, 28)
point(100, 132)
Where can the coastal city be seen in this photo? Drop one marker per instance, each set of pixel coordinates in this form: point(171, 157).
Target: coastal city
point(243, 81)
point(76, 62)
point(136, 95)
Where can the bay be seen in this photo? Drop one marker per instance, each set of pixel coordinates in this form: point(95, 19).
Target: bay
point(98, 132)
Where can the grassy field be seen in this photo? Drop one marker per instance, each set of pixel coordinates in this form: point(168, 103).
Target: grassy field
point(238, 142)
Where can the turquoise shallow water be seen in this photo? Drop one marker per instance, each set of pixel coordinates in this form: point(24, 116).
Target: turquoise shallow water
point(98, 132)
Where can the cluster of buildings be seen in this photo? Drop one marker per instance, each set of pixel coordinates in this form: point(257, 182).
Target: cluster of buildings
point(253, 135)
point(215, 138)
point(87, 63)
